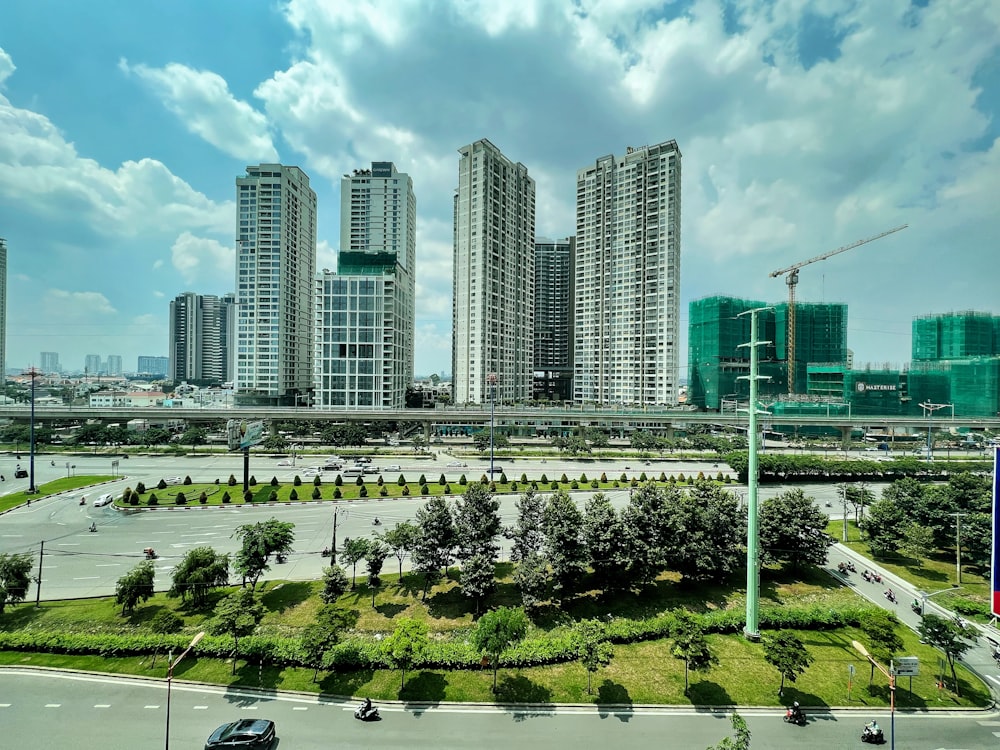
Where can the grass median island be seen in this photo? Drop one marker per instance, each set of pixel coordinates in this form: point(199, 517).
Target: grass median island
point(643, 669)
point(50, 488)
point(222, 492)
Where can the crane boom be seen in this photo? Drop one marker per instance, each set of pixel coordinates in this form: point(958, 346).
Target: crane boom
point(839, 250)
point(793, 279)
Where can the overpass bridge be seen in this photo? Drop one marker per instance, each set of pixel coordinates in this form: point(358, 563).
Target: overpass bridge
point(516, 420)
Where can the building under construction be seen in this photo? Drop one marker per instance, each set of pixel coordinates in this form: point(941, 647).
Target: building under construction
point(719, 363)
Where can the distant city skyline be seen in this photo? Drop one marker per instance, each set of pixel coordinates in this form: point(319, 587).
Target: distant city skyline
point(804, 126)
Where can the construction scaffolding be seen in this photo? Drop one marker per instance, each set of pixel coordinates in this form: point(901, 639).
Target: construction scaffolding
point(955, 336)
point(820, 336)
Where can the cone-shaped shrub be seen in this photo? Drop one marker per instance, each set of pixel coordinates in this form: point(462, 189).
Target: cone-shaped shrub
point(203, 498)
point(297, 481)
point(226, 499)
point(293, 495)
point(180, 499)
point(152, 499)
point(315, 494)
point(232, 480)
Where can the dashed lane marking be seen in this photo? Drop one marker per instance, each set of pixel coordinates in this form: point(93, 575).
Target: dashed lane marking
point(200, 708)
point(102, 705)
point(53, 705)
point(150, 706)
point(294, 708)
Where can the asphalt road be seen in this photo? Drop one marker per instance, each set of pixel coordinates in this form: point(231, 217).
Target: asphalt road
point(51, 710)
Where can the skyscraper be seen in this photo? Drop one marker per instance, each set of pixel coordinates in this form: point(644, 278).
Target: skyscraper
point(199, 333)
point(114, 364)
point(152, 365)
point(628, 253)
point(493, 302)
point(49, 362)
point(93, 366)
point(365, 311)
point(3, 308)
point(275, 270)
point(554, 283)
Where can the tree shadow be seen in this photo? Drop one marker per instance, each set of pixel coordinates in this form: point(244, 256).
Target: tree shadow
point(391, 610)
point(422, 691)
point(708, 693)
point(286, 596)
point(519, 689)
point(613, 699)
point(409, 585)
point(259, 677)
point(345, 683)
point(449, 604)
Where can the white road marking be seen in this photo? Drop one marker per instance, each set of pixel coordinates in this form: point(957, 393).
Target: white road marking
point(108, 565)
point(12, 536)
point(150, 706)
point(53, 705)
point(68, 544)
point(87, 578)
point(102, 705)
point(200, 708)
point(294, 708)
point(4, 705)
point(249, 708)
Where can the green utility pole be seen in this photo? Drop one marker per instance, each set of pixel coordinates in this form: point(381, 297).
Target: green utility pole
point(751, 630)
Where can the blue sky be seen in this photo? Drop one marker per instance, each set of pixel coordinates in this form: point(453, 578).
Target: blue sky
point(804, 125)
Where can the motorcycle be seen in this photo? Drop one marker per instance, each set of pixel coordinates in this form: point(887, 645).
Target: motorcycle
point(795, 715)
point(325, 552)
point(867, 576)
point(916, 607)
point(93, 527)
point(150, 553)
point(890, 596)
point(376, 522)
point(83, 501)
point(281, 558)
point(367, 712)
point(850, 567)
point(877, 577)
point(872, 736)
point(842, 568)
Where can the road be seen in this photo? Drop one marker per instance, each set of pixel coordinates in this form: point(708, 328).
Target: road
point(46, 709)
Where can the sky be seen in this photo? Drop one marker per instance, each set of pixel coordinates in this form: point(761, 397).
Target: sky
point(804, 125)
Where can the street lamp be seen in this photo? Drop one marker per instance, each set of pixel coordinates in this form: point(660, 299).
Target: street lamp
point(295, 447)
point(171, 663)
point(929, 410)
point(32, 373)
point(890, 673)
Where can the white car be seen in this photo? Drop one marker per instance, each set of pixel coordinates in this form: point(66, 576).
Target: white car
point(173, 480)
point(393, 467)
point(104, 500)
point(284, 462)
point(457, 465)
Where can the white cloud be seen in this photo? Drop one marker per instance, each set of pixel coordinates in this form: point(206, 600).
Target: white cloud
point(204, 105)
point(6, 66)
point(199, 259)
point(75, 307)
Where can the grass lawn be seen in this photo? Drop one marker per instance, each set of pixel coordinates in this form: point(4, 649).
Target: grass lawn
point(639, 673)
point(938, 572)
point(50, 488)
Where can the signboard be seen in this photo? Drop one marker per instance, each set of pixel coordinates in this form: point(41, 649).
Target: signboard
point(242, 435)
point(906, 666)
point(995, 577)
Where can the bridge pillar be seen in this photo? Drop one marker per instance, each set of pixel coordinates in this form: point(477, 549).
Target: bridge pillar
point(845, 436)
point(427, 432)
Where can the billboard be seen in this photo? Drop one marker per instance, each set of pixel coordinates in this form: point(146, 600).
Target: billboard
point(242, 435)
point(995, 582)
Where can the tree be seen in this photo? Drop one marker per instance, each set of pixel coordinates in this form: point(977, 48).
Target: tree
point(690, 644)
point(194, 436)
point(564, 547)
point(259, 541)
point(400, 540)
point(406, 645)
point(786, 653)
point(319, 637)
point(481, 440)
point(709, 533)
point(917, 540)
point(436, 540)
point(164, 622)
point(497, 630)
point(650, 531)
point(793, 530)
point(859, 499)
point(883, 529)
point(237, 616)
point(531, 580)
point(199, 571)
point(977, 539)
point(374, 559)
point(354, 550)
point(135, 586)
point(15, 577)
point(742, 739)
point(478, 578)
point(592, 647)
point(879, 627)
point(335, 584)
point(527, 534)
point(604, 538)
point(949, 637)
point(477, 525)
point(274, 443)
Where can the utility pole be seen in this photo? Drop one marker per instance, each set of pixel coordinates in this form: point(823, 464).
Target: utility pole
point(333, 544)
point(844, 494)
point(751, 629)
point(958, 543)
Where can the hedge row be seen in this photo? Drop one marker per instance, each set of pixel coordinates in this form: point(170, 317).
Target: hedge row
point(357, 652)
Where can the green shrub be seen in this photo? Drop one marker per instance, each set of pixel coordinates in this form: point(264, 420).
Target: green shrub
point(274, 481)
point(232, 481)
point(447, 489)
point(643, 477)
point(503, 477)
point(680, 478)
point(424, 489)
point(401, 481)
point(383, 491)
point(317, 481)
point(337, 494)
point(969, 607)
point(442, 480)
point(462, 480)
point(226, 499)
point(563, 479)
point(161, 485)
point(315, 493)
point(380, 482)
point(292, 496)
point(253, 481)
point(187, 480)
point(554, 485)
point(406, 490)
point(203, 498)
point(623, 477)
point(360, 481)
point(140, 488)
point(248, 497)
point(339, 481)
point(152, 500)
point(181, 499)
point(574, 485)
point(297, 481)
point(544, 479)
point(273, 497)
point(363, 492)
point(513, 486)
point(524, 478)
point(604, 478)
point(583, 479)
point(422, 480)
point(133, 498)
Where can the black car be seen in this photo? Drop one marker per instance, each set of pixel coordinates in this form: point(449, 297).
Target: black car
point(257, 734)
point(20, 474)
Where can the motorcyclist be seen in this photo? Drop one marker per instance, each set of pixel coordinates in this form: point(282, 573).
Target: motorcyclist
point(376, 522)
point(872, 728)
point(93, 526)
point(366, 707)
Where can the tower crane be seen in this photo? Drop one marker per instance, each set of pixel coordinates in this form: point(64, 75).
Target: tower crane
point(793, 278)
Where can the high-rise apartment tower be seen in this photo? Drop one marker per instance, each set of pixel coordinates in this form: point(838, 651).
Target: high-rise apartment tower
point(200, 329)
point(628, 263)
point(493, 302)
point(554, 283)
point(365, 311)
point(275, 271)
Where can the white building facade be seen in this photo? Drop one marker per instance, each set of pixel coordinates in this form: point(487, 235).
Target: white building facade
point(275, 272)
point(493, 285)
point(628, 262)
point(365, 312)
